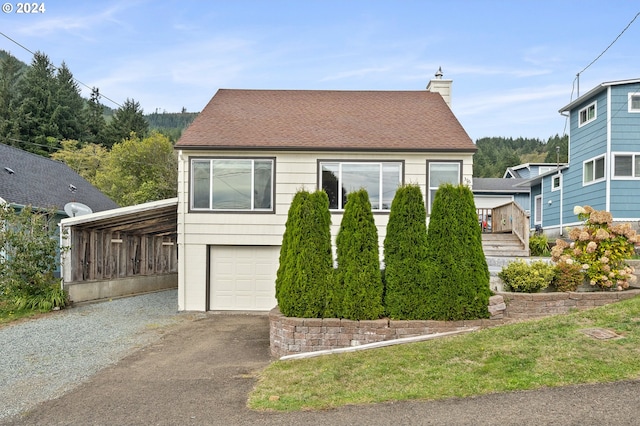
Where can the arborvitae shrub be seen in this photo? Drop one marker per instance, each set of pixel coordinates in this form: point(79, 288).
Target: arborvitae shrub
point(306, 260)
point(458, 275)
point(285, 277)
point(358, 275)
point(405, 255)
point(317, 258)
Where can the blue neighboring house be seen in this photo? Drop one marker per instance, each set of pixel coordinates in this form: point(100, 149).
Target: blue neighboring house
point(604, 161)
point(27, 179)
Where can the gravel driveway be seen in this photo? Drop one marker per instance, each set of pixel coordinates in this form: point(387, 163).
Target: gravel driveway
point(45, 357)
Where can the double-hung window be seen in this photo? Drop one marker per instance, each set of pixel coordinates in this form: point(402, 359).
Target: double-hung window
point(556, 182)
point(232, 184)
point(439, 173)
point(626, 166)
point(593, 170)
point(587, 114)
point(379, 179)
point(634, 102)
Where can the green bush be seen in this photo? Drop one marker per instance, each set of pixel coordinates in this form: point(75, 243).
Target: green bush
point(358, 276)
point(306, 259)
point(522, 277)
point(50, 296)
point(539, 245)
point(405, 255)
point(567, 276)
point(457, 272)
point(29, 246)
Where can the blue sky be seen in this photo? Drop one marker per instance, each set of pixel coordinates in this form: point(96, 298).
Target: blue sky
point(513, 63)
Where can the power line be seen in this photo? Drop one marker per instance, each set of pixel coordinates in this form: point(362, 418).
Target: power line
point(604, 51)
point(612, 43)
point(577, 78)
point(56, 68)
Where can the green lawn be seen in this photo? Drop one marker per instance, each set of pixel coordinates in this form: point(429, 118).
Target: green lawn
point(533, 354)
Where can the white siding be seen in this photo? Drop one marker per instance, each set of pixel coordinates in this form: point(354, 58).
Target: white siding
point(294, 171)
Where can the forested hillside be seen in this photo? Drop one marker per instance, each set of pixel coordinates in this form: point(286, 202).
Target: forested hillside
point(41, 105)
point(495, 154)
point(125, 154)
point(42, 111)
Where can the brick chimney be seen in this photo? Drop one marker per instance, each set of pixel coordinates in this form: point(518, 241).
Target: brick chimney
point(441, 86)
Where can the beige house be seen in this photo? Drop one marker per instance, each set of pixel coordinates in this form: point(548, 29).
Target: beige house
point(249, 151)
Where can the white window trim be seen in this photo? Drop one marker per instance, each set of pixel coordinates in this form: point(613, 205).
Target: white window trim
point(633, 165)
point(380, 183)
point(537, 220)
point(593, 104)
point(629, 108)
point(553, 178)
point(593, 160)
point(252, 209)
point(429, 201)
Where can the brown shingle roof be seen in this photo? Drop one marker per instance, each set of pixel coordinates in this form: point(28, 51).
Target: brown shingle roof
point(327, 120)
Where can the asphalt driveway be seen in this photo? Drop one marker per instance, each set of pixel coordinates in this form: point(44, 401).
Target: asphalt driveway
point(200, 371)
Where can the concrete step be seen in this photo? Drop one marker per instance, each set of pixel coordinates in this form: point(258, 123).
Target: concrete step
point(503, 245)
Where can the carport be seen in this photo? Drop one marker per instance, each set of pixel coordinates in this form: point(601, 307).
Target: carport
point(119, 252)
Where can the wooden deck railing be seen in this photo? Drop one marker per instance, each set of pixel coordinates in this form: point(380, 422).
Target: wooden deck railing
point(508, 217)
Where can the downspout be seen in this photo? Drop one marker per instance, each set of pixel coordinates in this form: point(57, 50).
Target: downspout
point(568, 116)
point(609, 159)
point(561, 201)
point(182, 297)
point(60, 229)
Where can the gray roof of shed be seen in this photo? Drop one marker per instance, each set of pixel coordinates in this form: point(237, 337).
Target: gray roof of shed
point(30, 179)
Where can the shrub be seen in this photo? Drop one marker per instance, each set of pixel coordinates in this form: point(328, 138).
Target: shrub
point(29, 246)
point(457, 273)
point(50, 296)
point(601, 248)
point(539, 245)
point(567, 276)
point(306, 260)
point(405, 255)
point(358, 275)
point(521, 277)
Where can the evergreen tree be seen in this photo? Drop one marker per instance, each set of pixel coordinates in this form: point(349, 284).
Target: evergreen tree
point(68, 106)
point(558, 149)
point(358, 275)
point(306, 260)
point(285, 278)
point(96, 124)
point(405, 255)
point(457, 275)
point(11, 70)
point(127, 119)
point(32, 125)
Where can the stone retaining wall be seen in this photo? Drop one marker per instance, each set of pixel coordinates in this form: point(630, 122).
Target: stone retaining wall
point(535, 305)
point(290, 336)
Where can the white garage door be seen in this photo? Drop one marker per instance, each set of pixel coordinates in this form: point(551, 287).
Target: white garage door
point(489, 202)
point(243, 278)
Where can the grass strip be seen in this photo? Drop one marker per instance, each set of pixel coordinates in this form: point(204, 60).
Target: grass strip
point(547, 352)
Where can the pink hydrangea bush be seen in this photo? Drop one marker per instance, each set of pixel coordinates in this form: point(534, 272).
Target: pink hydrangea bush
point(601, 247)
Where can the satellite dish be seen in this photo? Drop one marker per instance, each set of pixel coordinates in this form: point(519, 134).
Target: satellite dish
point(74, 209)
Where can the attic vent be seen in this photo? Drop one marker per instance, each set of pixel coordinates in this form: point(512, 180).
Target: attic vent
point(8, 170)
